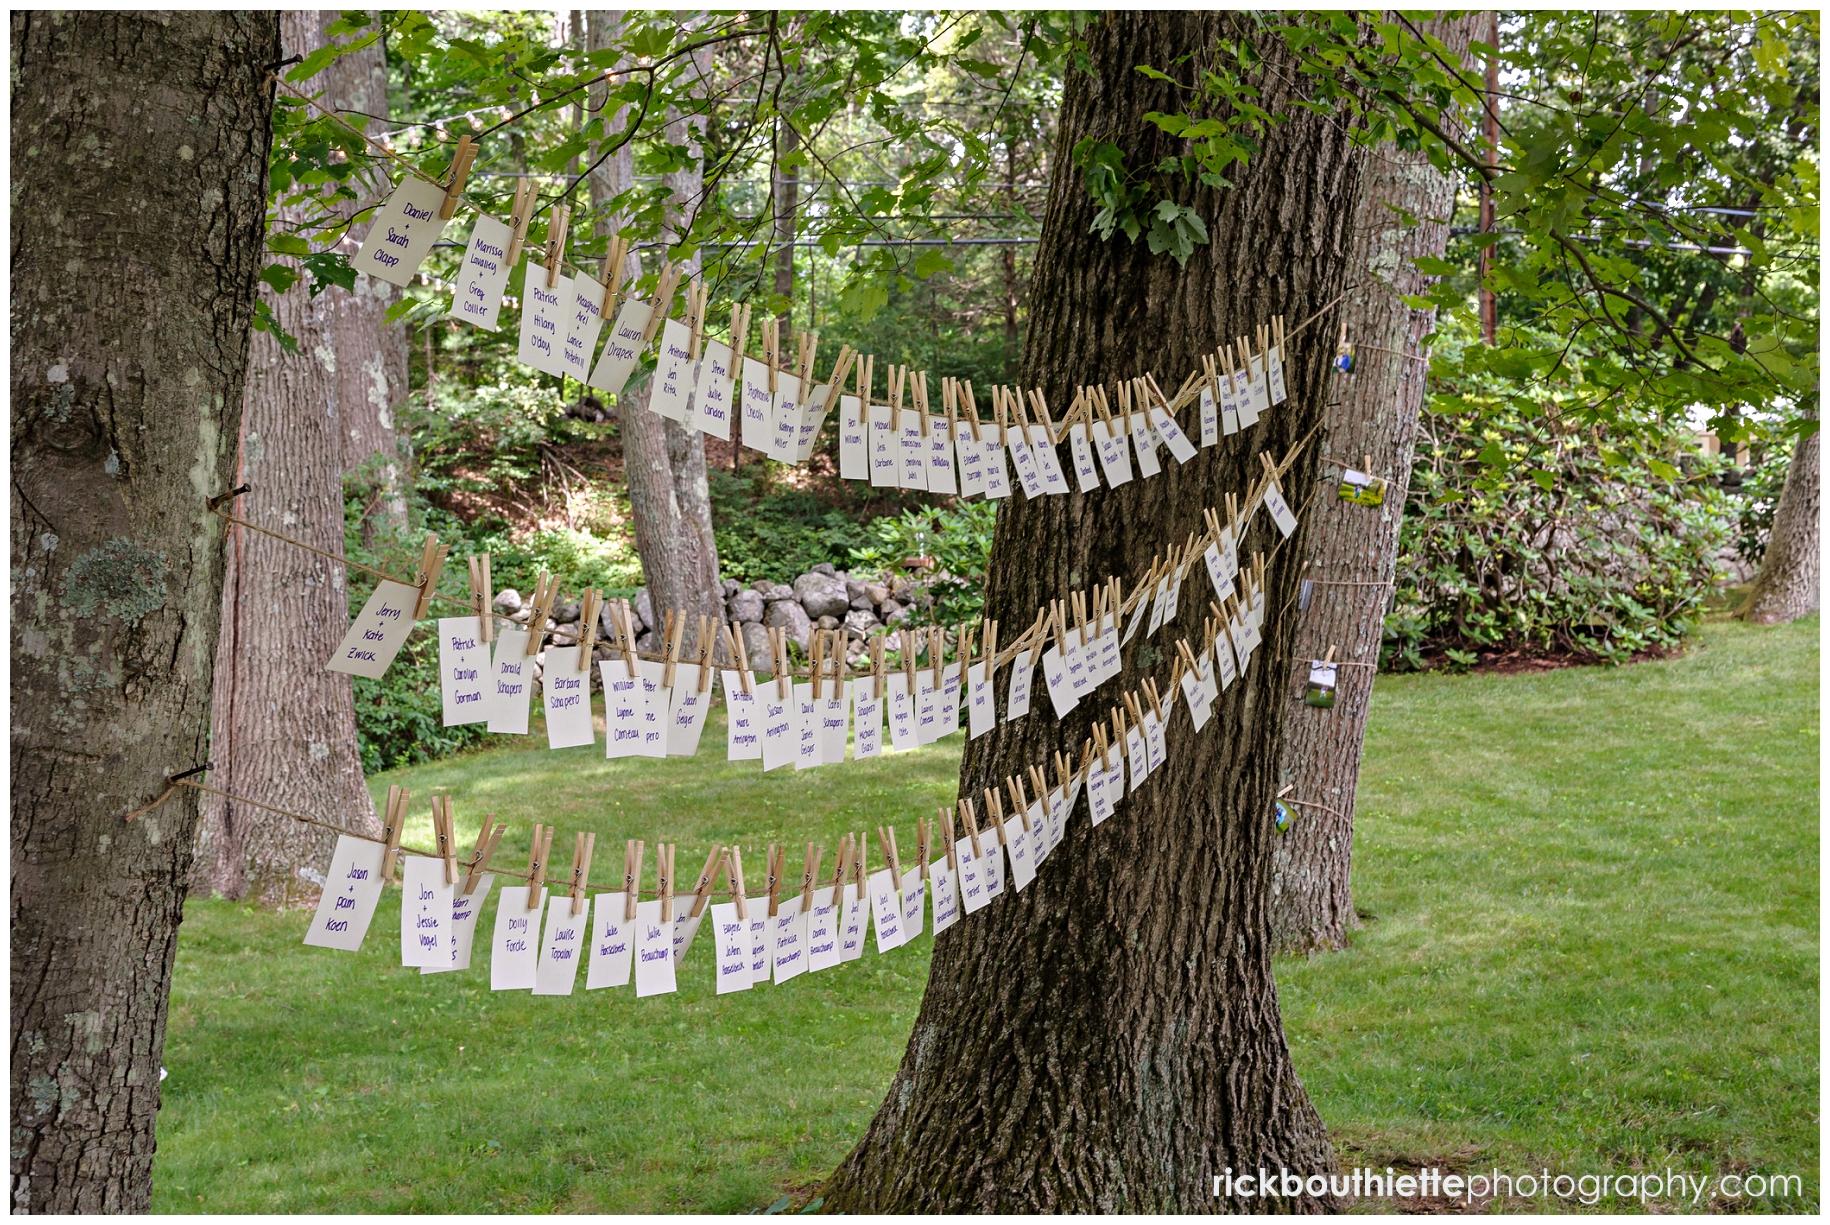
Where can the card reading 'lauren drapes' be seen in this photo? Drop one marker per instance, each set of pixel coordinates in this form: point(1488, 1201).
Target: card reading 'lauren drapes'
point(405, 227)
point(378, 633)
point(351, 889)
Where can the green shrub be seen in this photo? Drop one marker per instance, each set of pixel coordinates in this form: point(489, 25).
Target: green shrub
point(769, 532)
point(958, 538)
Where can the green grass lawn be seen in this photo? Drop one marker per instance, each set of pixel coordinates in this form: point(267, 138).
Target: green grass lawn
point(1593, 945)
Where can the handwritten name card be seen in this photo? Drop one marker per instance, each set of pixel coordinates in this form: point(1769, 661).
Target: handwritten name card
point(623, 349)
point(612, 943)
point(513, 674)
point(545, 318)
point(405, 227)
point(351, 889)
point(484, 276)
point(562, 947)
point(733, 948)
point(464, 676)
point(378, 632)
point(567, 693)
point(654, 951)
point(514, 957)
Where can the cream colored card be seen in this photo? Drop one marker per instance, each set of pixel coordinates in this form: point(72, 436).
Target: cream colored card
point(940, 457)
point(625, 709)
point(757, 405)
point(1171, 433)
point(761, 946)
point(970, 454)
point(566, 692)
point(514, 956)
point(654, 950)
point(902, 713)
point(483, 278)
point(780, 721)
point(824, 920)
point(463, 670)
point(513, 674)
point(973, 894)
point(991, 455)
point(545, 316)
point(733, 956)
point(981, 710)
point(788, 939)
point(834, 710)
point(912, 450)
point(464, 912)
point(352, 887)
point(886, 464)
point(612, 943)
point(866, 720)
point(378, 632)
point(914, 903)
point(886, 910)
point(712, 391)
point(1021, 847)
point(401, 236)
point(1086, 470)
point(425, 912)
point(686, 710)
point(1114, 456)
point(583, 323)
point(563, 946)
point(785, 419)
point(851, 934)
point(944, 892)
point(854, 445)
point(1016, 700)
point(1210, 417)
point(806, 728)
point(743, 731)
point(675, 371)
point(623, 350)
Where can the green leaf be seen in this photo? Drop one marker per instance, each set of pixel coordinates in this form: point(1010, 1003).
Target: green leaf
point(288, 244)
point(930, 262)
point(864, 300)
point(280, 277)
point(1660, 468)
point(329, 268)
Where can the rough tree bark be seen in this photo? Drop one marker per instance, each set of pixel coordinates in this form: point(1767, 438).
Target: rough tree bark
point(1108, 1040)
point(368, 354)
point(139, 188)
point(1353, 550)
point(1786, 588)
point(669, 497)
point(283, 730)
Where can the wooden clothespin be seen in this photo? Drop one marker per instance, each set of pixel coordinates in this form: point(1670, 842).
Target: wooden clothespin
point(1277, 327)
point(921, 845)
point(706, 644)
point(1019, 798)
point(970, 819)
point(431, 565)
point(908, 660)
point(886, 841)
point(708, 876)
point(665, 286)
point(860, 867)
point(539, 608)
point(838, 870)
point(616, 264)
point(877, 667)
point(582, 851)
point(988, 647)
point(626, 616)
point(539, 850)
point(676, 630)
point(483, 597)
point(945, 816)
point(444, 837)
point(487, 839)
point(771, 346)
point(810, 871)
point(733, 859)
point(390, 830)
point(994, 807)
point(920, 396)
point(937, 647)
point(816, 657)
point(460, 175)
point(1156, 702)
point(556, 233)
point(1329, 658)
point(695, 317)
point(1099, 738)
point(848, 359)
point(1038, 778)
point(779, 663)
point(971, 407)
point(774, 878)
point(740, 333)
point(587, 627)
point(632, 876)
point(665, 853)
point(741, 658)
point(522, 214)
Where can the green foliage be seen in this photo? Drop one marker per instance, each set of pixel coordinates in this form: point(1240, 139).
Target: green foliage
point(1526, 532)
point(1756, 496)
point(765, 531)
point(957, 538)
point(400, 717)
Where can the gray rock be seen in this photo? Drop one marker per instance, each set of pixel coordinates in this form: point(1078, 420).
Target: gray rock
point(861, 621)
point(731, 587)
point(862, 604)
point(508, 601)
point(876, 593)
point(893, 613)
point(826, 568)
point(790, 616)
point(606, 624)
point(854, 591)
point(745, 606)
point(648, 640)
point(821, 595)
point(567, 613)
point(756, 645)
point(644, 611)
point(828, 623)
point(763, 584)
point(520, 616)
point(778, 591)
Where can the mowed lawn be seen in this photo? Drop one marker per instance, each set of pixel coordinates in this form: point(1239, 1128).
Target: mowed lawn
point(1592, 946)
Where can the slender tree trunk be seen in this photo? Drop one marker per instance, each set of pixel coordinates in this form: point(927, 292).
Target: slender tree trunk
point(787, 189)
point(1353, 550)
point(283, 730)
point(368, 353)
point(1787, 586)
point(140, 147)
point(1108, 1040)
point(664, 463)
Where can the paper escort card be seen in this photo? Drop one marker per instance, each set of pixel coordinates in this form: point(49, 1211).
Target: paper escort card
point(1137, 756)
point(512, 673)
point(1243, 400)
point(902, 713)
point(823, 923)
point(851, 934)
point(1099, 800)
point(405, 227)
point(1048, 465)
point(654, 951)
point(463, 670)
point(425, 912)
point(1155, 747)
point(567, 694)
point(944, 891)
point(1055, 674)
point(780, 725)
point(785, 416)
point(991, 454)
point(1196, 698)
point(1109, 439)
point(968, 451)
point(866, 721)
point(483, 278)
point(1143, 441)
point(351, 889)
point(1021, 848)
point(914, 903)
point(561, 947)
point(927, 708)
point(623, 350)
point(1210, 417)
point(1276, 372)
point(712, 394)
point(1016, 699)
point(743, 732)
point(806, 728)
point(948, 711)
point(886, 910)
point(1258, 391)
point(378, 632)
point(854, 447)
point(544, 319)
point(514, 956)
point(788, 939)
point(1216, 573)
point(1081, 449)
point(1024, 460)
point(972, 892)
point(583, 323)
point(940, 457)
point(1171, 433)
point(732, 951)
point(885, 463)
point(912, 451)
point(1280, 509)
point(981, 710)
point(834, 711)
point(686, 709)
point(675, 370)
point(1229, 405)
point(761, 946)
point(757, 405)
point(464, 912)
point(625, 709)
point(686, 926)
point(991, 863)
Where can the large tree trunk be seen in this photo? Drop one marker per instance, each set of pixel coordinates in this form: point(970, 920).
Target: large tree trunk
point(1786, 587)
point(283, 730)
point(1353, 549)
point(368, 353)
point(664, 463)
point(1108, 1040)
point(139, 188)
